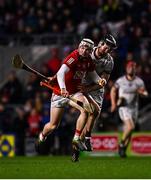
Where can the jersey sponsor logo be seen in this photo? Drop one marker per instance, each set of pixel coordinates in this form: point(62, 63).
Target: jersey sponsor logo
point(83, 66)
point(79, 74)
point(70, 61)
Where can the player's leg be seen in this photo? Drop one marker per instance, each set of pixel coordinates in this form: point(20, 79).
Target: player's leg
point(86, 133)
point(57, 108)
point(128, 128)
point(128, 124)
point(81, 121)
point(134, 115)
point(56, 115)
point(77, 144)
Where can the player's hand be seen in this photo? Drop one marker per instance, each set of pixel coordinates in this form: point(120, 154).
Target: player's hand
point(50, 80)
point(64, 92)
point(142, 92)
point(102, 82)
point(83, 88)
point(113, 107)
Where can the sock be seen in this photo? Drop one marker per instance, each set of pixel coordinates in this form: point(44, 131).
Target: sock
point(77, 135)
point(122, 143)
point(88, 138)
point(88, 134)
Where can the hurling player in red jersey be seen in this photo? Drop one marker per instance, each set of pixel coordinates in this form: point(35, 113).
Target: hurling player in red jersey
point(69, 77)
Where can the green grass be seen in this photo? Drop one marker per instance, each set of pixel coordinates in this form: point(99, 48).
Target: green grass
point(88, 167)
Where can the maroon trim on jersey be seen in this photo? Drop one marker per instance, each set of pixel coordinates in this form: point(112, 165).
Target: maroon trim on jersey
point(102, 55)
point(129, 79)
point(95, 54)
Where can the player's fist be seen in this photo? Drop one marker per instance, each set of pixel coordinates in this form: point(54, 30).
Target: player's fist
point(102, 82)
point(51, 80)
point(142, 92)
point(64, 92)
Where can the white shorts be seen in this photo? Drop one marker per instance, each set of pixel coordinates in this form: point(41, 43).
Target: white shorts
point(60, 102)
point(126, 113)
point(98, 96)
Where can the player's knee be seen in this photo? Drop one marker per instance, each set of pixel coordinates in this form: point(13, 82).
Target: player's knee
point(84, 113)
point(130, 127)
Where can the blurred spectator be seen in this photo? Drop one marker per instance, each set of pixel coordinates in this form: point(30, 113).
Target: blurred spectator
point(12, 90)
point(28, 106)
point(38, 102)
point(31, 86)
point(45, 70)
point(45, 116)
point(34, 119)
point(7, 119)
point(54, 62)
point(20, 126)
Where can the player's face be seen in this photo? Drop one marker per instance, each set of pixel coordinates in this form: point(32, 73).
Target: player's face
point(104, 49)
point(84, 51)
point(131, 70)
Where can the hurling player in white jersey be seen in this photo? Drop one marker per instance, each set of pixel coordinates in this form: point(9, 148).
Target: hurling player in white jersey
point(127, 88)
point(103, 65)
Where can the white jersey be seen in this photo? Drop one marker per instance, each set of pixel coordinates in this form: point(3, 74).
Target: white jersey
point(104, 64)
point(128, 90)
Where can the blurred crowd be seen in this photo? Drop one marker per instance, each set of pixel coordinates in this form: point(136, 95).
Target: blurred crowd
point(24, 105)
point(128, 21)
point(85, 17)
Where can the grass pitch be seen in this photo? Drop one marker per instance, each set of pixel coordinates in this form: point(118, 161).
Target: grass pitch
point(88, 167)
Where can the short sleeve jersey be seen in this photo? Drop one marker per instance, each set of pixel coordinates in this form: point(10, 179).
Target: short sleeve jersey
point(128, 90)
point(103, 64)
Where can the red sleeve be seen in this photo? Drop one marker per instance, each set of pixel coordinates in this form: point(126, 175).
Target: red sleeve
point(71, 59)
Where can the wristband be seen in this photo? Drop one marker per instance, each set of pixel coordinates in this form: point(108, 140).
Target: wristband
point(102, 82)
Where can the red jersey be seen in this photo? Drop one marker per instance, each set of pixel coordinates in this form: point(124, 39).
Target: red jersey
point(78, 68)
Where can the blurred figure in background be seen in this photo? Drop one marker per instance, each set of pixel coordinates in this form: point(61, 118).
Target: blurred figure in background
point(54, 62)
point(20, 127)
point(34, 120)
point(126, 89)
point(12, 89)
